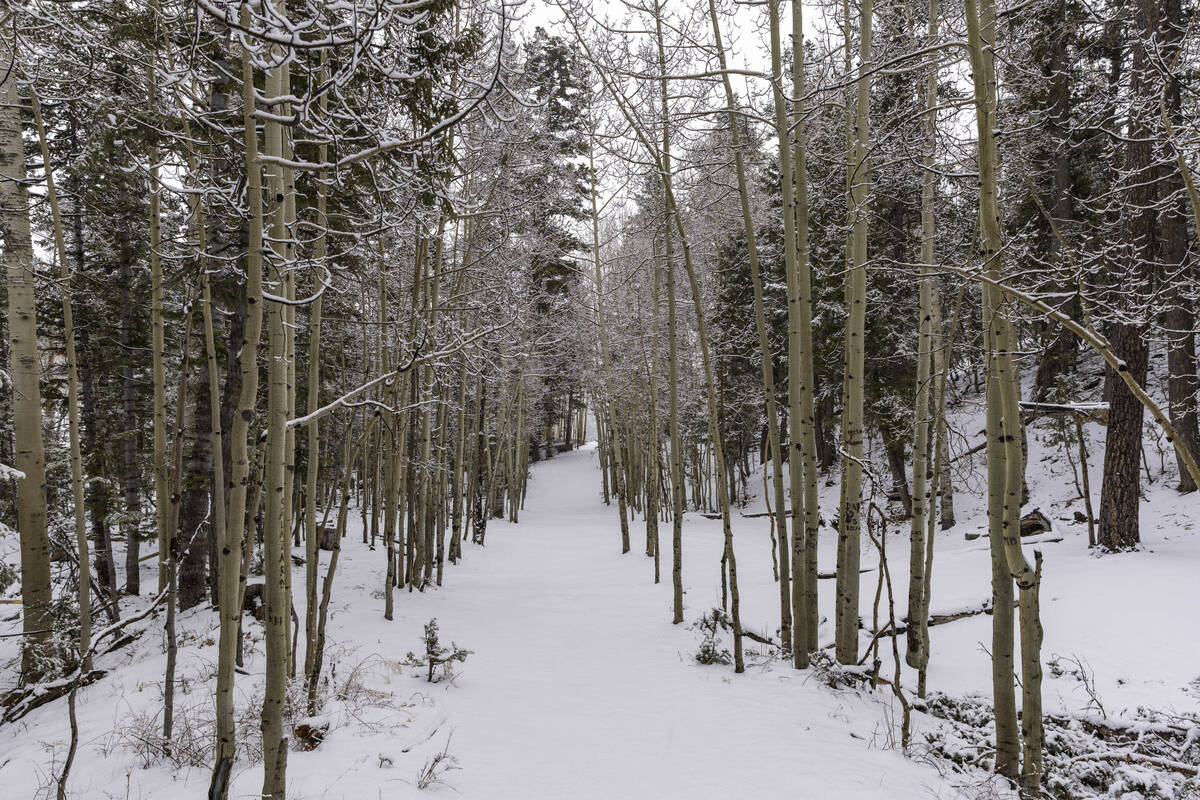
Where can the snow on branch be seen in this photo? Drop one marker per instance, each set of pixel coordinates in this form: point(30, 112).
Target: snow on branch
point(11, 472)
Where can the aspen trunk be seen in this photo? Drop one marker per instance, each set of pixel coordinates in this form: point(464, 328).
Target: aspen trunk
point(802, 471)
point(162, 493)
point(779, 519)
point(458, 468)
point(276, 538)
point(1004, 707)
point(943, 484)
point(800, 350)
point(219, 526)
point(612, 428)
point(288, 279)
point(678, 488)
point(718, 455)
point(25, 372)
point(1005, 460)
point(677, 479)
point(173, 513)
point(729, 560)
point(312, 468)
point(231, 577)
point(81, 540)
point(850, 516)
point(131, 478)
point(941, 458)
point(602, 446)
point(653, 446)
point(917, 654)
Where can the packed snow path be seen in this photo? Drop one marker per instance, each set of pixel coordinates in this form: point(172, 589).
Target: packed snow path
point(580, 687)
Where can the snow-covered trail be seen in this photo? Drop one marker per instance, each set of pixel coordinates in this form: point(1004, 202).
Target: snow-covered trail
point(579, 687)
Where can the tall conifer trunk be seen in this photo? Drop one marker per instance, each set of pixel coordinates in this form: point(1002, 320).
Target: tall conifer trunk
point(1120, 494)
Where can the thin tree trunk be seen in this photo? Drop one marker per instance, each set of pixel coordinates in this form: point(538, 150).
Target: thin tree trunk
point(917, 652)
point(613, 425)
point(313, 463)
point(653, 446)
point(458, 468)
point(162, 493)
point(943, 485)
point(276, 539)
point(849, 518)
point(84, 579)
point(231, 578)
point(678, 487)
point(288, 279)
point(663, 157)
point(173, 512)
point(131, 477)
point(779, 520)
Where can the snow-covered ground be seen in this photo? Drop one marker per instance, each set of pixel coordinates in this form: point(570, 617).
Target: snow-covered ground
point(1130, 618)
point(578, 685)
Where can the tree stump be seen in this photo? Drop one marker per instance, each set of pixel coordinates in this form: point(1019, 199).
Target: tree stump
point(310, 732)
point(252, 600)
point(327, 538)
point(1035, 522)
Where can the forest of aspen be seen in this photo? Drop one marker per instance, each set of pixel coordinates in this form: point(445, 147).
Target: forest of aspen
point(600, 399)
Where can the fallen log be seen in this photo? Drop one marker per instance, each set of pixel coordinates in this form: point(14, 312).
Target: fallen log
point(1138, 758)
point(758, 637)
point(941, 619)
point(21, 701)
point(1112, 728)
point(828, 576)
point(1086, 412)
point(1034, 523)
